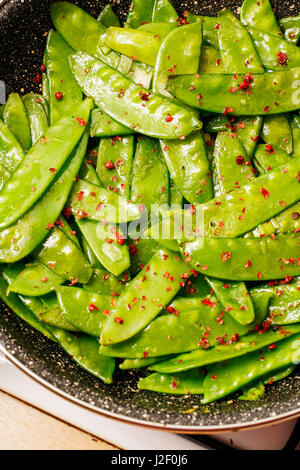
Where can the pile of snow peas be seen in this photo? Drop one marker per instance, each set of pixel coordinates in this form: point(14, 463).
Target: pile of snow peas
point(199, 118)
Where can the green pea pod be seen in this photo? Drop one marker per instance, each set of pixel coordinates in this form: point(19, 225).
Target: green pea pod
point(52, 314)
point(189, 167)
point(212, 92)
point(130, 104)
point(107, 245)
point(65, 94)
point(140, 12)
point(237, 49)
point(150, 177)
point(179, 54)
point(285, 304)
point(15, 117)
point(11, 154)
point(141, 251)
point(105, 283)
point(285, 223)
point(103, 125)
point(114, 164)
point(176, 198)
point(260, 15)
point(84, 350)
point(129, 364)
point(279, 375)
point(210, 25)
point(108, 17)
point(90, 201)
point(88, 173)
point(248, 130)
point(141, 74)
point(161, 29)
point(291, 28)
point(164, 12)
point(245, 259)
point(246, 345)
point(187, 383)
point(39, 167)
point(267, 158)
point(223, 380)
point(211, 61)
point(145, 297)
point(25, 235)
point(35, 280)
point(83, 309)
point(37, 116)
point(276, 131)
point(217, 124)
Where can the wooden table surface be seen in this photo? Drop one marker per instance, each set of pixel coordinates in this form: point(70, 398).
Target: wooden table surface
point(23, 427)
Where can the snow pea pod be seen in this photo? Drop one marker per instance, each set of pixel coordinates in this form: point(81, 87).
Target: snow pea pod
point(285, 223)
point(291, 28)
point(11, 154)
point(84, 350)
point(37, 116)
point(15, 117)
point(186, 383)
point(89, 201)
point(103, 125)
point(161, 29)
point(105, 283)
point(107, 245)
point(65, 94)
point(129, 364)
point(164, 12)
point(245, 259)
point(145, 297)
point(88, 173)
point(285, 304)
point(140, 12)
point(150, 177)
point(217, 124)
point(35, 280)
point(24, 236)
point(141, 251)
point(222, 94)
point(189, 167)
point(131, 104)
point(114, 164)
point(108, 17)
point(225, 379)
point(260, 15)
point(175, 197)
point(277, 131)
point(39, 167)
point(211, 61)
point(83, 309)
point(246, 345)
point(248, 130)
point(141, 74)
point(237, 49)
point(267, 158)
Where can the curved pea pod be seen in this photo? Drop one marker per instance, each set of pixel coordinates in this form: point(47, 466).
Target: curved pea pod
point(285, 304)
point(83, 309)
point(11, 154)
point(222, 94)
point(131, 104)
point(268, 157)
point(89, 201)
point(151, 290)
point(37, 116)
point(236, 46)
point(277, 131)
point(285, 223)
point(140, 12)
point(15, 117)
point(211, 60)
point(39, 167)
point(161, 29)
point(235, 299)
point(187, 383)
point(84, 350)
point(129, 364)
point(141, 251)
point(65, 94)
point(24, 236)
point(88, 173)
point(245, 259)
point(103, 125)
point(179, 54)
point(248, 130)
point(260, 15)
point(291, 28)
point(246, 345)
point(35, 280)
point(195, 287)
point(225, 379)
point(108, 17)
point(81, 31)
point(164, 12)
point(150, 177)
point(107, 245)
point(189, 167)
point(104, 283)
point(279, 375)
point(114, 164)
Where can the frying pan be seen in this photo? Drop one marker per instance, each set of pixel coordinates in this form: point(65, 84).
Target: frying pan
point(23, 24)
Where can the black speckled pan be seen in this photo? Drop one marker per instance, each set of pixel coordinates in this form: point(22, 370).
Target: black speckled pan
point(23, 24)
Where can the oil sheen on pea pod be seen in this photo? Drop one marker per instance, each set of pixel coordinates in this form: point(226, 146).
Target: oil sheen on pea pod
point(104, 283)
point(162, 29)
point(83, 309)
point(24, 236)
point(114, 163)
point(236, 46)
point(186, 383)
point(291, 28)
point(129, 364)
point(141, 251)
point(140, 12)
point(228, 94)
point(108, 17)
point(35, 280)
point(41, 165)
point(88, 173)
point(223, 380)
point(103, 125)
point(245, 259)
point(152, 289)
point(15, 117)
point(11, 154)
point(129, 103)
point(37, 116)
point(277, 131)
point(211, 60)
point(65, 94)
point(189, 167)
point(260, 15)
point(179, 54)
point(210, 32)
point(248, 131)
point(107, 243)
point(164, 12)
